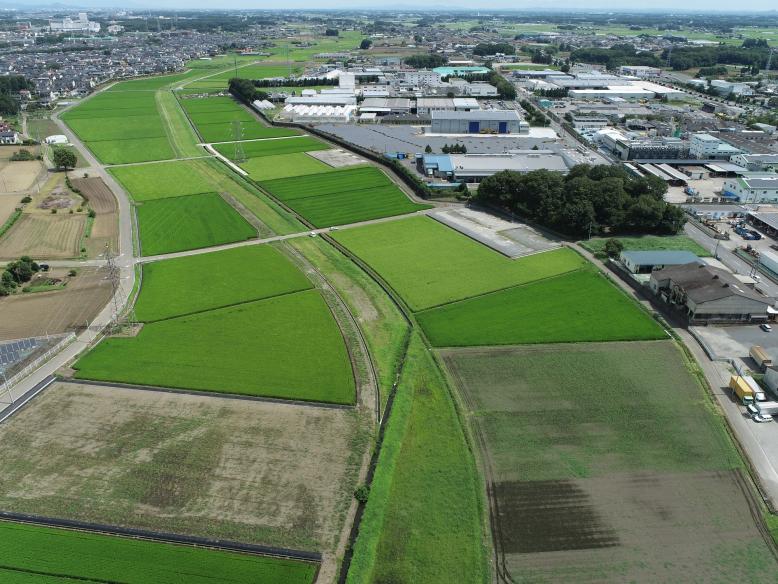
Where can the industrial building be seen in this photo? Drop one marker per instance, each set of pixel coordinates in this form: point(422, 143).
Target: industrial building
point(753, 187)
point(478, 122)
point(632, 147)
point(382, 106)
point(707, 147)
point(427, 105)
point(645, 262)
point(705, 294)
point(641, 71)
point(756, 162)
point(473, 168)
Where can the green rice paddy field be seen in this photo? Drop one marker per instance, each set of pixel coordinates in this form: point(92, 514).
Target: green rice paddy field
point(190, 222)
point(429, 264)
point(574, 307)
point(296, 164)
point(121, 126)
point(273, 147)
point(43, 555)
point(199, 283)
point(147, 182)
point(343, 196)
point(215, 118)
point(219, 82)
point(286, 347)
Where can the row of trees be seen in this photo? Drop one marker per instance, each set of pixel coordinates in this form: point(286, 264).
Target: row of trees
point(17, 273)
point(750, 55)
point(245, 91)
point(534, 116)
point(589, 199)
point(425, 61)
point(616, 56)
point(484, 49)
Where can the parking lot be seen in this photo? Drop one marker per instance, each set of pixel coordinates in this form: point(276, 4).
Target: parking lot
point(734, 342)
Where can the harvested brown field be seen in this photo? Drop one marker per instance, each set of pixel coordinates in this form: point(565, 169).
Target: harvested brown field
point(8, 203)
point(266, 473)
point(44, 236)
point(17, 177)
point(57, 311)
point(105, 229)
point(96, 192)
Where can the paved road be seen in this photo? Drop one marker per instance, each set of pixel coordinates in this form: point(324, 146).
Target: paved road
point(125, 261)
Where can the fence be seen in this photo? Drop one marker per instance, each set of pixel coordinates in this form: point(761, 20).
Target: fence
point(33, 365)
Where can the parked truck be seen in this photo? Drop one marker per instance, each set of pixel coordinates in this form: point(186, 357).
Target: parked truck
point(761, 357)
point(768, 408)
point(741, 389)
point(756, 388)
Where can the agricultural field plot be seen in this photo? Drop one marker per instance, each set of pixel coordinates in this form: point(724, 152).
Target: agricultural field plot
point(8, 204)
point(575, 307)
point(132, 151)
point(17, 177)
point(44, 555)
point(203, 282)
point(272, 147)
point(57, 311)
point(121, 127)
point(101, 200)
point(105, 228)
point(343, 196)
point(190, 222)
point(109, 129)
point(648, 243)
point(220, 81)
point(622, 439)
point(298, 164)
point(286, 347)
point(246, 131)
point(147, 182)
point(44, 237)
point(430, 264)
point(185, 464)
point(215, 119)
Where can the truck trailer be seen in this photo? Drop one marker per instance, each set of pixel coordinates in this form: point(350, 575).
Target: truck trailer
point(761, 357)
point(741, 389)
point(769, 408)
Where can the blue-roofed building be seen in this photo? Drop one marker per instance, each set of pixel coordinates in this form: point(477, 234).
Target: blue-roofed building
point(439, 165)
point(645, 262)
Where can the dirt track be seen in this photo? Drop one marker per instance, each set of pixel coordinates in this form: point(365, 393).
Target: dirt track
point(28, 315)
point(102, 201)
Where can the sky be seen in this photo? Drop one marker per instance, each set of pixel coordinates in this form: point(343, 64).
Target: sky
point(620, 5)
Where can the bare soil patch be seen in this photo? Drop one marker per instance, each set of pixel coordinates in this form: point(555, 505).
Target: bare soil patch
point(645, 527)
point(44, 236)
point(336, 158)
point(8, 204)
point(58, 311)
point(17, 177)
point(101, 199)
point(267, 473)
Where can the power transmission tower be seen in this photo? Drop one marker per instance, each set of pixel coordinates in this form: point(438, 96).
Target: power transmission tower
point(237, 136)
point(115, 277)
point(669, 54)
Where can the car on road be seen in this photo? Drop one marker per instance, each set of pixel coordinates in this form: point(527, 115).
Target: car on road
point(766, 327)
point(760, 418)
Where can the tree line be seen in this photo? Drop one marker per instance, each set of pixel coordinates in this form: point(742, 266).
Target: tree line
point(484, 49)
point(9, 86)
point(616, 56)
point(748, 55)
point(425, 61)
point(588, 200)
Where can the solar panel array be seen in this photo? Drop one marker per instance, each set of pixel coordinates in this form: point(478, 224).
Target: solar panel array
point(15, 351)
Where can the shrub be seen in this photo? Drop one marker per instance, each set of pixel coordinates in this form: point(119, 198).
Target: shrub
point(362, 493)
